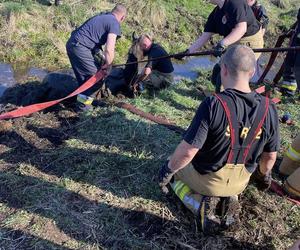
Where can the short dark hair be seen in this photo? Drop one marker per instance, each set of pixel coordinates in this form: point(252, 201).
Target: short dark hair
point(239, 58)
point(120, 9)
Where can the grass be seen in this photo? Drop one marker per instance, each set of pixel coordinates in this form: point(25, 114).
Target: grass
point(89, 182)
point(35, 33)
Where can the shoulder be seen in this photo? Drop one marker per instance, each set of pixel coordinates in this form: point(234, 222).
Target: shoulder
point(157, 48)
point(215, 11)
point(212, 102)
point(236, 5)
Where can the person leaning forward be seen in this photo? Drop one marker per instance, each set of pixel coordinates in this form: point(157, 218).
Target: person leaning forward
point(86, 41)
point(157, 74)
point(235, 21)
point(232, 134)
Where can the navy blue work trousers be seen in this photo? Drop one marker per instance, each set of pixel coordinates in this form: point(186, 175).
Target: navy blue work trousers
point(83, 64)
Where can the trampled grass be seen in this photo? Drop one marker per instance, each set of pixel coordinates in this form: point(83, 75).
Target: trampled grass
point(90, 182)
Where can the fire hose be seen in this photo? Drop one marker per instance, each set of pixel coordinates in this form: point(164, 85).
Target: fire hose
point(23, 111)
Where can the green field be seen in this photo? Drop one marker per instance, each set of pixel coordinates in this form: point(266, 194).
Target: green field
point(89, 180)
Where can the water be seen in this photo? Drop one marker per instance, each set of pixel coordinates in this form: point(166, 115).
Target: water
point(7, 78)
point(10, 76)
point(188, 68)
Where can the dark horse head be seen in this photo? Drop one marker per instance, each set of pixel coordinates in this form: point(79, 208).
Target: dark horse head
point(135, 54)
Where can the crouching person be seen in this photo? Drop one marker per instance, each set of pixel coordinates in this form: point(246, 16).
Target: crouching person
point(233, 133)
point(290, 167)
point(157, 74)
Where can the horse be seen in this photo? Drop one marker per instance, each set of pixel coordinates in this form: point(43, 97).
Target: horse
point(125, 79)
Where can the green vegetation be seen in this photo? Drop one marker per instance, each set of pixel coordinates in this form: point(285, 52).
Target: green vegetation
point(31, 31)
point(88, 181)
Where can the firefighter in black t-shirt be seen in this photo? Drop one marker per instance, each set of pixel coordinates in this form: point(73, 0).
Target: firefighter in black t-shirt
point(233, 134)
point(235, 21)
point(157, 74)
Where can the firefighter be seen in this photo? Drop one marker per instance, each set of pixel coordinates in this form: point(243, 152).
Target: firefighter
point(291, 74)
point(84, 48)
point(290, 167)
point(232, 134)
point(235, 21)
point(260, 14)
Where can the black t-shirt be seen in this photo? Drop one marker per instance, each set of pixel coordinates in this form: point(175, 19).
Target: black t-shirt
point(222, 21)
point(93, 33)
point(162, 65)
point(210, 133)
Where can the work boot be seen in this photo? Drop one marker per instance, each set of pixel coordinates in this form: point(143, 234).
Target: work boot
point(288, 88)
point(230, 211)
point(207, 217)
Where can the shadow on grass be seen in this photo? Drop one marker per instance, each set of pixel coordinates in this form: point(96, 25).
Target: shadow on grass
point(17, 239)
point(110, 152)
point(119, 156)
point(75, 216)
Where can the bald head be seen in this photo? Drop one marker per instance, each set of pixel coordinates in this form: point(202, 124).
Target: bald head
point(239, 59)
point(120, 12)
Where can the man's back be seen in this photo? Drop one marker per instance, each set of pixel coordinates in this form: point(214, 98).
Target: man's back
point(93, 33)
point(210, 131)
point(163, 65)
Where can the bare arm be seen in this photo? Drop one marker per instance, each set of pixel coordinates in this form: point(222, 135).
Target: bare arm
point(182, 156)
point(267, 161)
point(236, 34)
point(109, 51)
point(203, 39)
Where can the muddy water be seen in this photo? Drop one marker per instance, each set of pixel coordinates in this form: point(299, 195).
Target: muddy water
point(188, 68)
point(7, 78)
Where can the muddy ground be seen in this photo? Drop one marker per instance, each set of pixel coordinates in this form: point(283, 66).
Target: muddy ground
point(72, 180)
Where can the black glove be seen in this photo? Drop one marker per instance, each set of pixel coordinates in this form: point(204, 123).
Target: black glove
point(218, 49)
point(263, 181)
point(165, 176)
point(181, 55)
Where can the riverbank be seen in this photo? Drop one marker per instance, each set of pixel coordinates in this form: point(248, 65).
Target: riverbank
point(34, 33)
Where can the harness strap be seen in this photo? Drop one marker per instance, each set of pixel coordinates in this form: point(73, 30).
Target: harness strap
point(232, 128)
point(256, 126)
point(239, 151)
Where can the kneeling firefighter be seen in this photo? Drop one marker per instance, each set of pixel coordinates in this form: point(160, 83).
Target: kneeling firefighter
point(290, 167)
point(232, 134)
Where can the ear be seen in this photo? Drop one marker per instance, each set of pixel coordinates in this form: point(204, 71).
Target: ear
point(224, 70)
point(252, 73)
